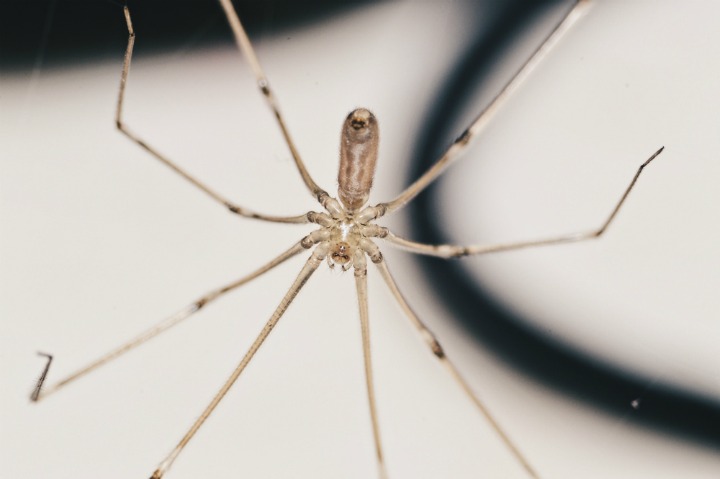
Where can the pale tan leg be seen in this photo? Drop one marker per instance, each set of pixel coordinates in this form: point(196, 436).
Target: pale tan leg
point(438, 351)
point(484, 118)
point(243, 43)
point(454, 251)
point(360, 268)
point(308, 269)
point(162, 326)
point(166, 161)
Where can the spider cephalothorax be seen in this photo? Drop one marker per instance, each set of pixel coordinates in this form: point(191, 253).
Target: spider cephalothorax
point(347, 236)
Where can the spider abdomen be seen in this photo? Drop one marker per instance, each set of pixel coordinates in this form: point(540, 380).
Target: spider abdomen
point(358, 155)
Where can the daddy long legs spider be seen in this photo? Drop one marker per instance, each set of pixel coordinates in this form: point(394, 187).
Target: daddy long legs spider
point(380, 117)
point(346, 234)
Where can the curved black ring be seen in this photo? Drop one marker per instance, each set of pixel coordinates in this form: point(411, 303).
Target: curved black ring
point(569, 370)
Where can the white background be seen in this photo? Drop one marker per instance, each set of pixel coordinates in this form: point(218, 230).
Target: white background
point(99, 241)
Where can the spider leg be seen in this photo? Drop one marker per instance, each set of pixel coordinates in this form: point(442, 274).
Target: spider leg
point(484, 118)
point(244, 45)
point(308, 269)
point(454, 251)
point(439, 353)
point(160, 327)
point(169, 163)
point(360, 270)
point(43, 375)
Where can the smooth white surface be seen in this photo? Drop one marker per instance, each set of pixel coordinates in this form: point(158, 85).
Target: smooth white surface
point(99, 241)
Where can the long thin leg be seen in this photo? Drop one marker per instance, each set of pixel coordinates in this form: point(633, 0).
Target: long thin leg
point(482, 120)
point(166, 161)
point(308, 269)
point(162, 326)
point(38, 386)
point(243, 43)
point(454, 251)
point(360, 269)
point(438, 351)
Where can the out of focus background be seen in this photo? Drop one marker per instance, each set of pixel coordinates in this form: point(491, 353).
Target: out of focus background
point(600, 359)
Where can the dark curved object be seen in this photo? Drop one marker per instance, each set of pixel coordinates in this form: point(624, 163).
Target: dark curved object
point(57, 33)
point(663, 407)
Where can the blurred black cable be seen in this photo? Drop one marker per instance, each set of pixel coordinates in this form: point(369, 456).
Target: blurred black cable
point(662, 407)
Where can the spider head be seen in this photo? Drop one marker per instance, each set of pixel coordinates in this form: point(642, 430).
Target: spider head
point(341, 253)
point(344, 241)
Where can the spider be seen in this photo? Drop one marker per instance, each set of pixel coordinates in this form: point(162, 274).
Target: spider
point(346, 234)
